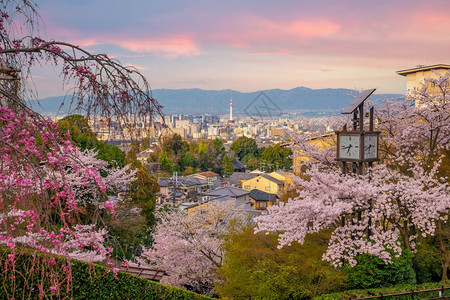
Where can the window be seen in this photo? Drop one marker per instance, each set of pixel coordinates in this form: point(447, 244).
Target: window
point(246, 187)
point(262, 204)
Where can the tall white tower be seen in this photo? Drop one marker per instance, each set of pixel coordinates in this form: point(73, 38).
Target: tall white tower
point(231, 110)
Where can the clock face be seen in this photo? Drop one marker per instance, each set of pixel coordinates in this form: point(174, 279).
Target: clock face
point(349, 146)
point(370, 146)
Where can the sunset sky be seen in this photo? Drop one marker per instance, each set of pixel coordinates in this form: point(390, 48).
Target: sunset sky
point(257, 44)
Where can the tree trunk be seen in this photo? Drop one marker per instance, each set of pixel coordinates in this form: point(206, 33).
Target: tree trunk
point(442, 235)
point(445, 267)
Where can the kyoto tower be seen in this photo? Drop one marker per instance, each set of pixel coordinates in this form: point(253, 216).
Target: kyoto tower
point(231, 110)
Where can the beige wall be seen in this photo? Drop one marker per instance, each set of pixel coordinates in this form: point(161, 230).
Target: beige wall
point(262, 184)
point(414, 78)
point(299, 157)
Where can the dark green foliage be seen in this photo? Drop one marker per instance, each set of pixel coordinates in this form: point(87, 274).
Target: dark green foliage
point(175, 145)
point(218, 146)
point(243, 146)
point(252, 162)
point(131, 159)
point(135, 216)
point(82, 136)
point(145, 144)
point(254, 268)
point(166, 162)
point(88, 281)
point(227, 165)
point(353, 294)
point(372, 272)
point(427, 261)
point(143, 193)
point(268, 159)
point(189, 160)
point(277, 157)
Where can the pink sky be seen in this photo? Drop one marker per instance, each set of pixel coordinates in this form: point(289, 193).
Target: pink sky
point(259, 44)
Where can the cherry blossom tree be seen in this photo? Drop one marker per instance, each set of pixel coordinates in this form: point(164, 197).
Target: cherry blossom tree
point(188, 245)
point(43, 188)
point(98, 85)
point(45, 182)
point(401, 199)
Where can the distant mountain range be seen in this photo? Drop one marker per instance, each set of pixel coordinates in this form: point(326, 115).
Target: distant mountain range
point(276, 101)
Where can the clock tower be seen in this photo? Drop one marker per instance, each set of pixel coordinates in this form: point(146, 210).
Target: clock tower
point(358, 145)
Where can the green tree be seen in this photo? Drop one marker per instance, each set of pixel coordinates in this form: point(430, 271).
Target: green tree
point(145, 144)
point(243, 146)
point(254, 268)
point(173, 144)
point(175, 148)
point(278, 157)
point(208, 155)
point(218, 146)
point(143, 192)
point(82, 136)
point(428, 256)
point(372, 272)
point(252, 163)
point(131, 159)
point(135, 215)
point(189, 160)
point(227, 165)
point(203, 148)
point(166, 162)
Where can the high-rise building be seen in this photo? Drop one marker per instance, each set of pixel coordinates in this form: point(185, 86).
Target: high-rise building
point(231, 110)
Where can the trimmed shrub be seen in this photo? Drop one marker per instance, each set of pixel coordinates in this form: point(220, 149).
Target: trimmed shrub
point(35, 274)
point(372, 272)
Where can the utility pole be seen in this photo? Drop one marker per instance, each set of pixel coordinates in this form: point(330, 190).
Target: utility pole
point(174, 180)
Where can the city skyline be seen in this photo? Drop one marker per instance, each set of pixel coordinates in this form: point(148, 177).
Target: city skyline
point(255, 45)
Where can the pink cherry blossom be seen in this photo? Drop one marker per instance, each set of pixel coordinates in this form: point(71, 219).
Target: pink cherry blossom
point(401, 198)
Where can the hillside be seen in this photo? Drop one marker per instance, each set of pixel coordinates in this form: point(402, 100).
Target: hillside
point(300, 99)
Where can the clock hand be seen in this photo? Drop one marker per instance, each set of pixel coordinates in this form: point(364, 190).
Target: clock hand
point(349, 147)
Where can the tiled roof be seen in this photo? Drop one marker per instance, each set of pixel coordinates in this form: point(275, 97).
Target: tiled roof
point(280, 172)
point(181, 181)
point(261, 196)
point(268, 177)
point(238, 165)
point(207, 174)
point(228, 191)
point(242, 176)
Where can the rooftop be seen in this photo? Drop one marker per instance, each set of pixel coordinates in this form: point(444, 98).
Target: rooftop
point(181, 181)
point(206, 174)
point(261, 196)
point(228, 191)
point(422, 68)
point(242, 176)
point(270, 178)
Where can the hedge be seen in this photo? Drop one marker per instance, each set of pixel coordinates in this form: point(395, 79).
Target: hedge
point(89, 281)
point(353, 294)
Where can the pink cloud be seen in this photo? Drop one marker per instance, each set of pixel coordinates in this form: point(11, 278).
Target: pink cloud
point(314, 28)
point(168, 47)
point(255, 30)
point(173, 45)
point(275, 52)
